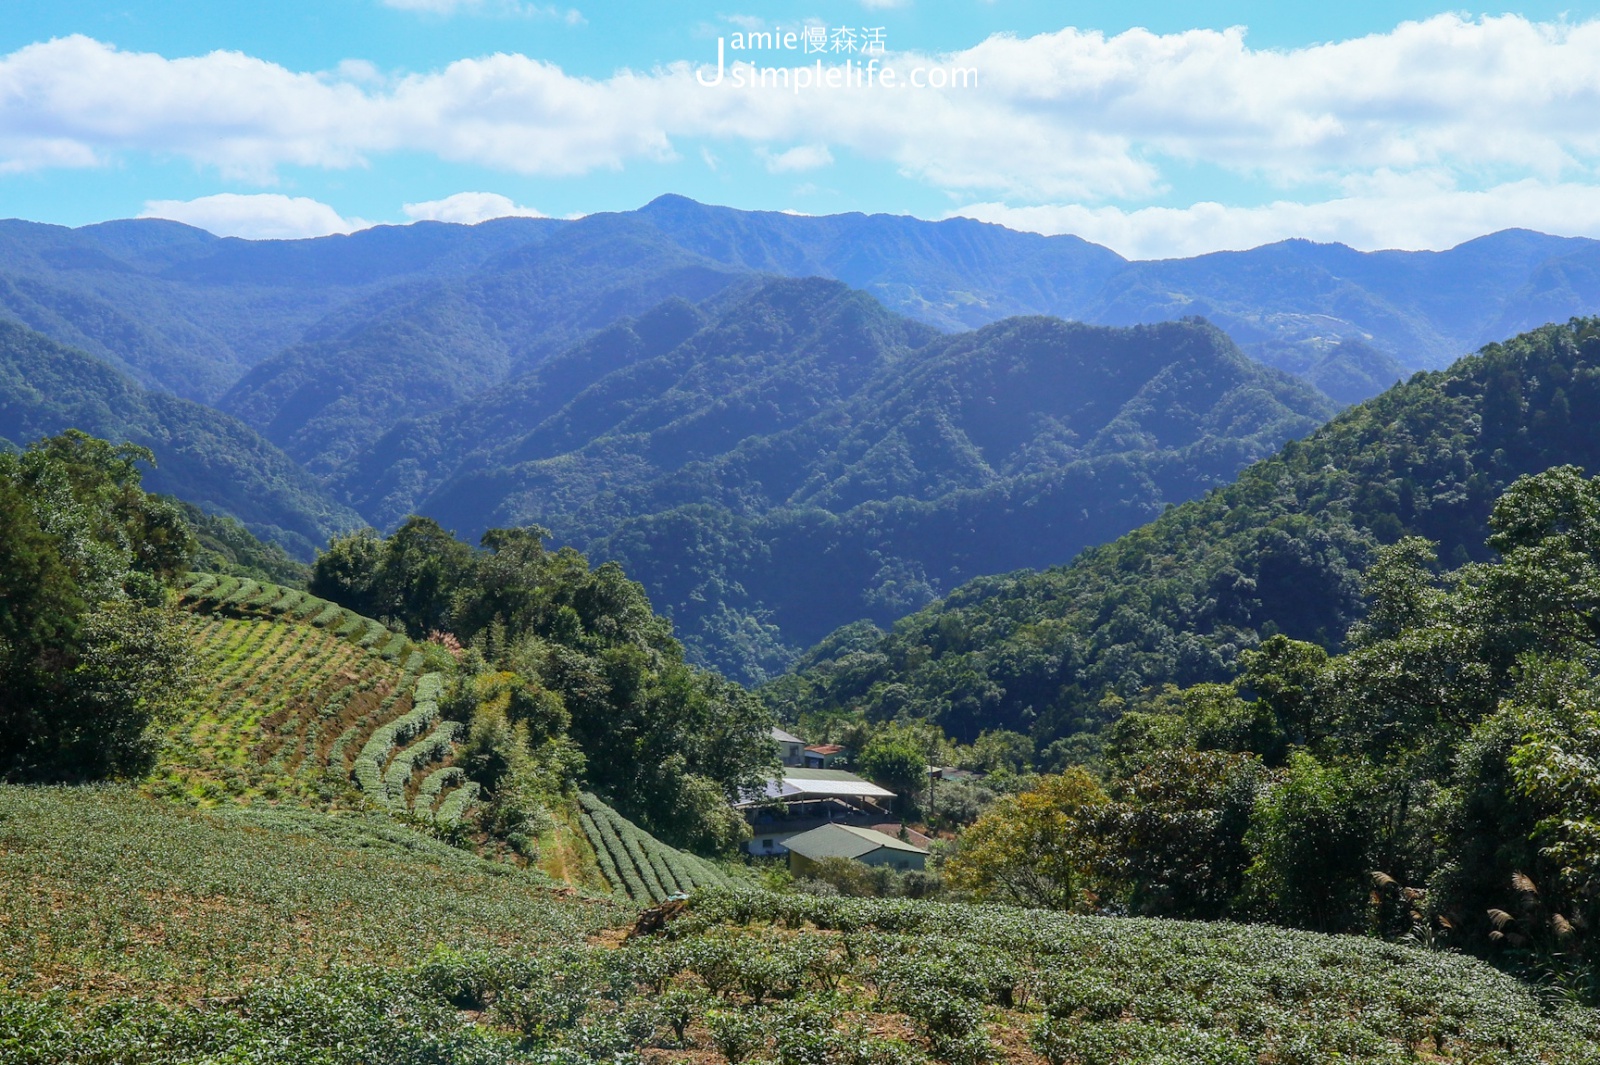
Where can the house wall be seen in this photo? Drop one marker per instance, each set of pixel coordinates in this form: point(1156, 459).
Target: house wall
point(759, 843)
point(800, 865)
point(894, 859)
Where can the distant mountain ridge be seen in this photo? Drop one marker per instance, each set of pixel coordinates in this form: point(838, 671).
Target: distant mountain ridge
point(795, 457)
point(203, 456)
point(189, 313)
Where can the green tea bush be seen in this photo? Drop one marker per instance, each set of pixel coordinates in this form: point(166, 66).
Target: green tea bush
point(432, 747)
point(456, 804)
point(433, 784)
point(368, 767)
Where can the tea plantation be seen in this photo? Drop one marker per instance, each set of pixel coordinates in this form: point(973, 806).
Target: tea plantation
point(300, 906)
point(307, 702)
point(137, 931)
point(637, 864)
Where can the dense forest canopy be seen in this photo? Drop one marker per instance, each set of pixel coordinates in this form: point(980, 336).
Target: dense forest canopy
point(1280, 551)
point(798, 457)
point(568, 676)
point(1433, 782)
point(90, 659)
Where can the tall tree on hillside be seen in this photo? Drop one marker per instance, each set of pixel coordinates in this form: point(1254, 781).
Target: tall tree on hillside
point(90, 659)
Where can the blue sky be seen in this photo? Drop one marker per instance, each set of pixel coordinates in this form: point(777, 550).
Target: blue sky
point(1154, 128)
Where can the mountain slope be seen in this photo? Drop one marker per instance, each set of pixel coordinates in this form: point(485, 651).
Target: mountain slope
point(1279, 550)
point(202, 455)
point(430, 346)
point(184, 312)
point(802, 457)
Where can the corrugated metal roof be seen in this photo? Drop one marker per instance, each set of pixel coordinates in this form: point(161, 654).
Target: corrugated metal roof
point(786, 737)
point(845, 841)
point(819, 784)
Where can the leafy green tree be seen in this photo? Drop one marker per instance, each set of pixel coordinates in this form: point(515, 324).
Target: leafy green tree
point(1283, 674)
point(1043, 847)
point(894, 760)
point(90, 657)
point(1312, 835)
point(1177, 832)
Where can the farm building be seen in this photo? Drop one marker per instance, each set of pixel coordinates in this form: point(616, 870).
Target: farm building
point(791, 748)
point(865, 845)
point(826, 756)
point(802, 799)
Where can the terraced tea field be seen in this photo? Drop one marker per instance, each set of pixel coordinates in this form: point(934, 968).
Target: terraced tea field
point(241, 597)
point(638, 865)
point(303, 701)
point(104, 891)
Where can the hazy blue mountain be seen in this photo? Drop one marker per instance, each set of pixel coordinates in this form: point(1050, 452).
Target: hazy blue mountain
point(799, 456)
point(188, 313)
point(203, 456)
point(183, 311)
point(1424, 309)
point(425, 347)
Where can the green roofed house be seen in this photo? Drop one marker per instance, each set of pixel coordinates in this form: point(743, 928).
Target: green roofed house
point(865, 845)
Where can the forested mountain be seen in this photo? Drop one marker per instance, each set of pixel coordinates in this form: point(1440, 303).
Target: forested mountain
point(204, 456)
point(192, 314)
point(1278, 551)
point(1290, 303)
point(803, 457)
point(428, 367)
point(185, 312)
point(420, 348)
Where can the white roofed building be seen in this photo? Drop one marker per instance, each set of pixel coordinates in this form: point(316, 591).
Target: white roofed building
point(799, 800)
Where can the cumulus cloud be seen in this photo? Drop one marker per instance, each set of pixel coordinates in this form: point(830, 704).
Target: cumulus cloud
point(259, 216)
point(469, 208)
point(1071, 117)
point(805, 157)
point(1417, 214)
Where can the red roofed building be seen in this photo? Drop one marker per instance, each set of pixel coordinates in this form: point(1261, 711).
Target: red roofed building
point(826, 756)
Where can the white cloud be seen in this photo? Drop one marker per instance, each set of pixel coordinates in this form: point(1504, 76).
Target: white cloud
point(1414, 214)
point(1072, 116)
point(571, 16)
point(469, 208)
point(260, 216)
point(804, 157)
